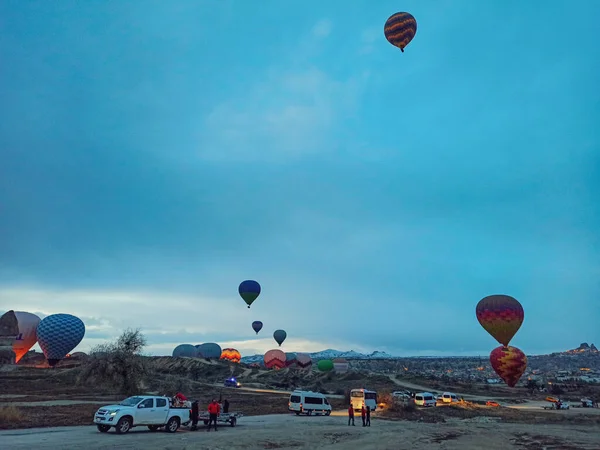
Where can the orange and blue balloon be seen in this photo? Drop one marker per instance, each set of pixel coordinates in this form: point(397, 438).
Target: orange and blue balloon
point(400, 29)
point(501, 316)
point(509, 363)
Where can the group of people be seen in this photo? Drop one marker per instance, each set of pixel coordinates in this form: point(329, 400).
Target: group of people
point(365, 414)
point(214, 409)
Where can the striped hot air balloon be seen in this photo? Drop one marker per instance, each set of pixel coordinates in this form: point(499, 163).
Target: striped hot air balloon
point(400, 29)
point(231, 355)
point(509, 363)
point(274, 359)
point(501, 316)
point(340, 365)
point(303, 361)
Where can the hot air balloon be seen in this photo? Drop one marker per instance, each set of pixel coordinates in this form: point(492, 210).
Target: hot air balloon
point(501, 316)
point(400, 29)
point(325, 365)
point(279, 336)
point(27, 336)
point(185, 350)
point(303, 361)
point(257, 326)
point(231, 355)
point(290, 359)
point(509, 363)
point(274, 359)
point(249, 290)
point(58, 335)
point(210, 350)
point(340, 365)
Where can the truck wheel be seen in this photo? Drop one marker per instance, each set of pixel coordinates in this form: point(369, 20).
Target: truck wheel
point(172, 425)
point(309, 412)
point(233, 421)
point(103, 428)
point(297, 413)
point(123, 425)
point(153, 427)
point(327, 413)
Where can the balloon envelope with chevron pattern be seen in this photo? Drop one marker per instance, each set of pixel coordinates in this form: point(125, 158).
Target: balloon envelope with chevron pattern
point(501, 316)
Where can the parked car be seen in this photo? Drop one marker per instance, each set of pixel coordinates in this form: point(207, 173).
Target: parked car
point(141, 410)
point(232, 382)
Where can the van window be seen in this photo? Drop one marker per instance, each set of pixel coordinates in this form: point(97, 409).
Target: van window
point(418, 397)
point(148, 403)
point(428, 397)
point(313, 400)
point(326, 402)
point(358, 394)
point(295, 399)
point(371, 396)
point(161, 402)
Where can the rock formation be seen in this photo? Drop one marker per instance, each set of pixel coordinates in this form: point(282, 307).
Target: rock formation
point(9, 329)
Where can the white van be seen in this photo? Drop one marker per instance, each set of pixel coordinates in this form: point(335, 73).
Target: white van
point(424, 399)
point(308, 402)
point(449, 397)
point(363, 397)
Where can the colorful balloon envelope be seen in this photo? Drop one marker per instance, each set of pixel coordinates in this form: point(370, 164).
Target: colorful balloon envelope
point(274, 359)
point(257, 326)
point(185, 351)
point(231, 355)
point(400, 29)
point(325, 365)
point(27, 336)
point(58, 335)
point(509, 363)
point(303, 361)
point(501, 316)
point(249, 290)
point(279, 336)
point(340, 365)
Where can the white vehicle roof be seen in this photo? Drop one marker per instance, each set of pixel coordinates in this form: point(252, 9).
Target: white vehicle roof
point(424, 393)
point(316, 394)
point(361, 390)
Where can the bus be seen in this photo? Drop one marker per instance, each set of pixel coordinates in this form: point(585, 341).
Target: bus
point(360, 397)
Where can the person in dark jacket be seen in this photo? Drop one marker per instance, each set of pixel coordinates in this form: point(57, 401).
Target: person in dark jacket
point(368, 416)
point(351, 415)
point(363, 415)
point(195, 412)
point(226, 406)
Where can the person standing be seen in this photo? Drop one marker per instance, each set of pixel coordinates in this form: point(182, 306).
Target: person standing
point(213, 413)
point(226, 406)
point(195, 412)
point(351, 415)
point(363, 415)
point(368, 416)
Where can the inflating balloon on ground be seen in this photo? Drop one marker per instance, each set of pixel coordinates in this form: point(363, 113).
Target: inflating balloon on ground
point(58, 335)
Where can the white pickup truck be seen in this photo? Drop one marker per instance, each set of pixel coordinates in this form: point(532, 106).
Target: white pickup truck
point(153, 412)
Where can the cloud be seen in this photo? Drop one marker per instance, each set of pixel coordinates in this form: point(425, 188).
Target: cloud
point(322, 28)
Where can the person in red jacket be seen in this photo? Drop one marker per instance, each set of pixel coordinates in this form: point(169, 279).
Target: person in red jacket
point(351, 414)
point(363, 414)
point(213, 411)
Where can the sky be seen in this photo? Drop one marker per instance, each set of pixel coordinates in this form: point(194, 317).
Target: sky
point(155, 154)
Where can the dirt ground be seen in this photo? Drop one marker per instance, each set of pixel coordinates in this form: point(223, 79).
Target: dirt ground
point(315, 432)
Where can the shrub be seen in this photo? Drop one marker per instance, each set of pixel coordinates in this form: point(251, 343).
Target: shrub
point(10, 414)
point(119, 364)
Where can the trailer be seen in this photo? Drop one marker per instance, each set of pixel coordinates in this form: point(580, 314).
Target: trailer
point(230, 418)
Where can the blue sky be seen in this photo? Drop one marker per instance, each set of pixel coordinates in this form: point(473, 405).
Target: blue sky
point(155, 154)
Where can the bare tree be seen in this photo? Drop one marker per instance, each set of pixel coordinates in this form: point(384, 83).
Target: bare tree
point(118, 364)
